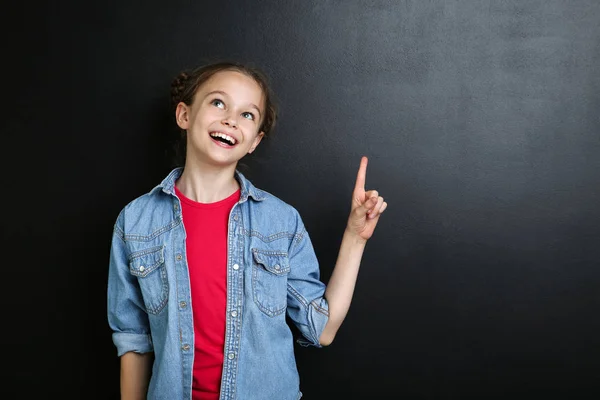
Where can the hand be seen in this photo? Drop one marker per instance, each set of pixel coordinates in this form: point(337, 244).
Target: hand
point(366, 206)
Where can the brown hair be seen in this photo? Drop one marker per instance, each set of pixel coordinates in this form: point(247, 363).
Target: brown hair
point(187, 83)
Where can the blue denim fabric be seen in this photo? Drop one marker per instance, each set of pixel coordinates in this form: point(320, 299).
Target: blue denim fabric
point(272, 271)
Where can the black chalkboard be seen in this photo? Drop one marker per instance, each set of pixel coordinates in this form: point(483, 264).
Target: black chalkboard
point(481, 120)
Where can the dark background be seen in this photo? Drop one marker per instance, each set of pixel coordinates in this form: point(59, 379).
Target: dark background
point(481, 121)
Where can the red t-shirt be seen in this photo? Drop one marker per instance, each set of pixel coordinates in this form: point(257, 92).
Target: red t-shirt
point(206, 246)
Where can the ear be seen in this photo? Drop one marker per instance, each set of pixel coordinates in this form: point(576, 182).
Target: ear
point(257, 140)
point(182, 115)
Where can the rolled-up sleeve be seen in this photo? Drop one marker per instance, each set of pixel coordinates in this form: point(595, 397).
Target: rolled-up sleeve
point(307, 307)
point(127, 315)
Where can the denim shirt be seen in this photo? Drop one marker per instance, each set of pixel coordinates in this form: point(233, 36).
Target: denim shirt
point(272, 272)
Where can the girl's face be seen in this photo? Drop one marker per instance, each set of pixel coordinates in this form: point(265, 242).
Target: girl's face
point(223, 122)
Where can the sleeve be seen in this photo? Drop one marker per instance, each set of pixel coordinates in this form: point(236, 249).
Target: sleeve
point(307, 307)
point(127, 315)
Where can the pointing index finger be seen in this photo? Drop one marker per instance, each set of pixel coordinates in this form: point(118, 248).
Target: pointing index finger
point(362, 174)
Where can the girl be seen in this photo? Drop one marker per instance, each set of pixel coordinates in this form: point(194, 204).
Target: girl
point(205, 267)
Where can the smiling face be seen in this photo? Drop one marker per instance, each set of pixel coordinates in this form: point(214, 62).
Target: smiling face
point(223, 121)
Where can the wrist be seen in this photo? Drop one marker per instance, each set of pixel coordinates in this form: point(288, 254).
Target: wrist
point(354, 237)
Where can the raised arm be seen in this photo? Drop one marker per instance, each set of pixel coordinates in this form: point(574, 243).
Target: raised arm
point(366, 209)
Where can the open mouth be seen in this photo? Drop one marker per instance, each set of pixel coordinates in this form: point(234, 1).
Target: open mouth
point(223, 138)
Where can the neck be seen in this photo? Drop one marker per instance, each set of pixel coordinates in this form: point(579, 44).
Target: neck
point(206, 183)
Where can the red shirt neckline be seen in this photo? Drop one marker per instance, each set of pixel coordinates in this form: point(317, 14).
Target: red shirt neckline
point(228, 200)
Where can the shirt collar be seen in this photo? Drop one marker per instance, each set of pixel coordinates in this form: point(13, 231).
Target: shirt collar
point(247, 189)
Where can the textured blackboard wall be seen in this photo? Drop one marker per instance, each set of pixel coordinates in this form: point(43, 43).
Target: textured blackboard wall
point(481, 121)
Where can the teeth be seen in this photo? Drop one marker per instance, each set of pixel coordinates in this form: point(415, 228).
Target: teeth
point(231, 140)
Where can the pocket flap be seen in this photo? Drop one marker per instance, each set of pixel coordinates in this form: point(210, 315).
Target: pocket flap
point(141, 263)
point(275, 262)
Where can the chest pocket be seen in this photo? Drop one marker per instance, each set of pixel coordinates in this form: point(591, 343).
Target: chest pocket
point(269, 281)
point(149, 267)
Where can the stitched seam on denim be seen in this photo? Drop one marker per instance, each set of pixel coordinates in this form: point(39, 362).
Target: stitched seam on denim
point(311, 328)
point(147, 271)
point(319, 309)
point(270, 252)
point(267, 266)
point(269, 312)
point(274, 272)
point(153, 235)
point(237, 337)
point(119, 232)
point(165, 287)
point(298, 237)
point(144, 252)
point(179, 315)
point(163, 274)
point(270, 238)
point(230, 340)
point(297, 295)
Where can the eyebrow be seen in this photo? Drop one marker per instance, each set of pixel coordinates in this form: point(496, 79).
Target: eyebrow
point(226, 95)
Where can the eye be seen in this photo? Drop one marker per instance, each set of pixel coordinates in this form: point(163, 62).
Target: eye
point(248, 115)
point(218, 103)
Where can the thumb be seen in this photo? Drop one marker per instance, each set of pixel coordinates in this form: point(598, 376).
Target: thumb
point(362, 210)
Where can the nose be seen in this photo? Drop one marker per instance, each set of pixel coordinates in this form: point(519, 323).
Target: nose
point(230, 121)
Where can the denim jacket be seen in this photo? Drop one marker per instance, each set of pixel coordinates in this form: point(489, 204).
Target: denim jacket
point(272, 272)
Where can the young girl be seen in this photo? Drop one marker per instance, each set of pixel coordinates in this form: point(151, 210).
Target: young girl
point(205, 267)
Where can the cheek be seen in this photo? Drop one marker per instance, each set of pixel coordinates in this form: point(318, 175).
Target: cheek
point(209, 114)
point(249, 126)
